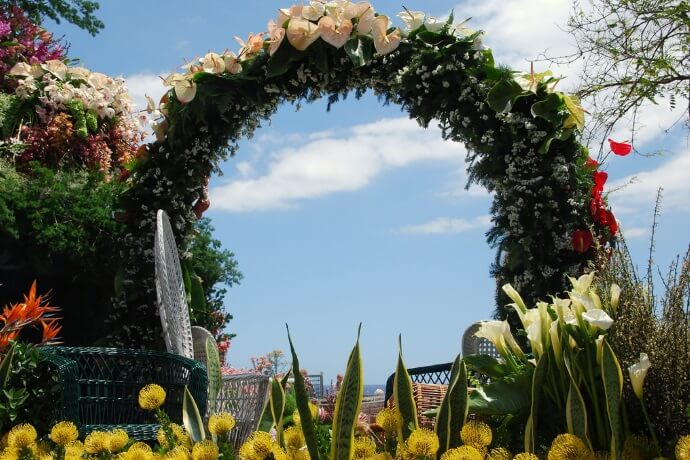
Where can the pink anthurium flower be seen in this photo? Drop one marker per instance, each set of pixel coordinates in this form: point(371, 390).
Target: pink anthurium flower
point(334, 35)
point(385, 42)
point(302, 33)
point(213, 63)
point(276, 35)
point(620, 148)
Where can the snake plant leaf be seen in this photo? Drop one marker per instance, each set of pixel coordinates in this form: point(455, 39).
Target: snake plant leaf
point(263, 426)
point(6, 365)
point(452, 413)
point(612, 377)
point(191, 419)
point(347, 407)
point(538, 377)
point(404, 398)
point(575, 409)
point(215, 378)
point(277, 402)
point(302, 398)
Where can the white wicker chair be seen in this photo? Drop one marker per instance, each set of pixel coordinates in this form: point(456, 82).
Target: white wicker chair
point(245, 395)
point(473, 345)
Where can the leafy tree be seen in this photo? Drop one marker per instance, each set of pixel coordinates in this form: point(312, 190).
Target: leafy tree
point(633, 51)
point(218, 271)
point(77, 12)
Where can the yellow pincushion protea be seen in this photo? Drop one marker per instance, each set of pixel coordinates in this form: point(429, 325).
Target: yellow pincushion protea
point(181, 437)
point(74, 450)
point(476, 434)
point(221, 423)
point(294, 438)
point(63, 433)
point(178, 453)
point(118, 440)
point(97, 442)
point(423, 443)
point(525, 456)
point(567, 446)
point(136, 454)
point(363, 447)
point(389, 419)
point(499, 453)
point(463, 453)
point(205, 450)
point(151, 397)
point(21, 436)
point(257, 446)
point(683, 448)
point(279, 454)
point(140, 446)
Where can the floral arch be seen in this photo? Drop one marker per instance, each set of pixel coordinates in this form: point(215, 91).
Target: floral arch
point(521, 133)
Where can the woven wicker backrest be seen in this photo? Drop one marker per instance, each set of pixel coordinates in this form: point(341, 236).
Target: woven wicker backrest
point(245, 397)
point(473, 345)
point(172, 300)
point(199, 337)
point(426, 396)
point(109, 380)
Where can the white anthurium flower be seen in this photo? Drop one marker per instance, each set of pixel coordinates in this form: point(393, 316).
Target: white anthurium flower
point(79, 73)
point(275, 37)
point(185, 90)
point(22, 69)
point(582, 284)
point(99, 80)
point(150, 104)
point(413, 19)
point(433, 24)
point(385, 42)
point(56, 67)
point(336, 9)
point(285, 14)
point(598, 318)
point(313, 11)
point(494, 332)
point(638, 372)
point(213, 63)
point(232, 64)
point(514, 296)
point(615, 296)
point(302, 33)
point(555, 340)
point(600, 348)
point(334, 35)
point(365, 15)
point(535, 339)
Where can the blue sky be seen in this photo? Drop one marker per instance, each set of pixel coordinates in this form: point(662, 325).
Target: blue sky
point(358, 214)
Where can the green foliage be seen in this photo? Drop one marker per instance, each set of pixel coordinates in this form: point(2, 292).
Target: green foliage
point(191, 418)
point(452, 414)
point(59, 221)
point(404, 399)
point(30, 392)
point(78, 12)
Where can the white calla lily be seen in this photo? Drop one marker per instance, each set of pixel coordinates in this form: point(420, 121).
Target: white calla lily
point(581, 285)
point(600, 348)
point(535, 339)
point(555, 340)
point(514, 296)
point(615, 297)
point(598, 318)
point(494, 332)
point(637, 373)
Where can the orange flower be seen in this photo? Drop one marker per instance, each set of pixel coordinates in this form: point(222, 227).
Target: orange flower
point(50, 331)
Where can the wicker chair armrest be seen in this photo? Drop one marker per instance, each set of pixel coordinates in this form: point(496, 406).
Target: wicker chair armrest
point(67, 371)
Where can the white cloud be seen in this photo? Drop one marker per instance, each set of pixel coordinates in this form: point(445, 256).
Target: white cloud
point(142, 84)
point(444, 225)
point(671, 176)
point(327, 162)
point(635, 232)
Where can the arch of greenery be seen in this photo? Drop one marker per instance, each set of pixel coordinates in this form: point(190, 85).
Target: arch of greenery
point(522, 136)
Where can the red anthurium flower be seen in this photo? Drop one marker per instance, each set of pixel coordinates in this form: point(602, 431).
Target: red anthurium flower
point(600, 178)
point(597, 209)
point(620, 148)
point(591, 163)
point(582, 240)
point(612, 223)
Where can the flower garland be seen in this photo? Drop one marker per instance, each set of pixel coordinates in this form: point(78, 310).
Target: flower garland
point(521, 134)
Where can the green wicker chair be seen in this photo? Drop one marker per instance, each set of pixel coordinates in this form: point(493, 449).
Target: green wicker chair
point(107, 384)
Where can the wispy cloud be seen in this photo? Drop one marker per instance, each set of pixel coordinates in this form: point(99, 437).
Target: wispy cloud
point(330, 162)
point(444, 225)
point(635, 232)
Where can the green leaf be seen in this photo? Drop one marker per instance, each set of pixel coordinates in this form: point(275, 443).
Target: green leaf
point(550, 109)
point(612, 377)
point(318, 56)
point(215, 378)
point(6, 365)
point(575, 408)
point(404, 398)
point(191, 419)
point(503, 95)
point(452, 413)
point(347, 406)
point(501, 398)
point(487, 365)
point(303, 404)
point(279, 63)
point(197, 297)
point(277, 402)
point(538, 378)
point(360, 50)
point(187, 280)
